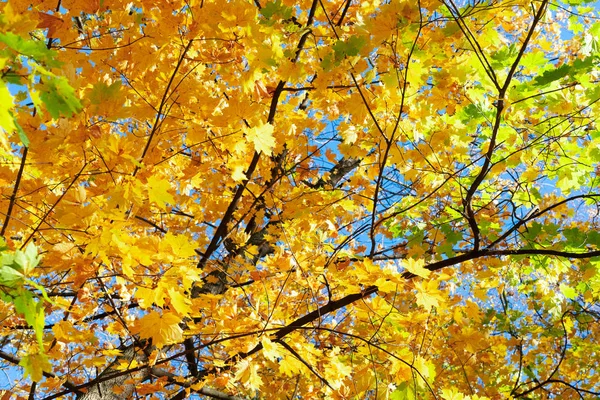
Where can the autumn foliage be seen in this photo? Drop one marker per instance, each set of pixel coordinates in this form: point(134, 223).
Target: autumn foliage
point(300, 199)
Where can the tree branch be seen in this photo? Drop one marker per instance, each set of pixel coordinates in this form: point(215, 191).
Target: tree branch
point(13, 196)
point(72, 388)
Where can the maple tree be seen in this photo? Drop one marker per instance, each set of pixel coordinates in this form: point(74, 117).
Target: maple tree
point(300, 199)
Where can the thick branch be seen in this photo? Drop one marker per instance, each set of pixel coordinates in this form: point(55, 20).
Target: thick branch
point(222, 228)
point(310, 317)
point(468, 200)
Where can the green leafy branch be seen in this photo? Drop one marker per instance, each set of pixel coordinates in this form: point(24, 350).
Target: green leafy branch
point(17, 287)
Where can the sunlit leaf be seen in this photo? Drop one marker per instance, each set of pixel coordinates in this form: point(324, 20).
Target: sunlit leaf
point(35, 365)
point(163, 328)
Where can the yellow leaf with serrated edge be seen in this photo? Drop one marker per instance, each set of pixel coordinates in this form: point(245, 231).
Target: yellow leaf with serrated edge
point(337, 371)
point(290, 365)
point(6, 119)
point(271, 350)
point(179, 301)
point(66, 333)
point(154, 356)
point(219, 363)
point(158, 192)
point(188, 275)
point(238, 174)
point(452, 394)
point(111, 352)
point(162, 329)
point(425, 367)
point(62, 331)
point(126, 364)
point(147, 296)
point(247, 373)
point(262, 137)
point(35, 365)
point(427, 294)
point(180, 245)
point(416, 267)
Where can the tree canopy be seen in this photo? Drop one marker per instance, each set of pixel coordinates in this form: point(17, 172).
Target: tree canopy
point(300, 199)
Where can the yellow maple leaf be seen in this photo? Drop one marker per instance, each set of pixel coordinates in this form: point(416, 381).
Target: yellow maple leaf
point(337, 371)
point(180, 303)
point(453, 394)
point(180, 245)
point(66, 333)
point(162, 329)
point(238, 174)
point(262, 137)
point(111, 352)
point(290, 365)
point(425, 367)
point(62, 331)
point(247, 373)
point(35, 365)
point(7, 122)
point(154, 356)
point(147, 296)
point(158, 191)
point(473, 311)
point(350, 135)
point(428, 294)
point(126, 364)
point(271, 350)
point(416, 267)
point(187, 274)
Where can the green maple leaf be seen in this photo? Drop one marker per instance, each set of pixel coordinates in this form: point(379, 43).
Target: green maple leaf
point(59, 97)
point(276, 10)
point(35, 49)
point(350, 47)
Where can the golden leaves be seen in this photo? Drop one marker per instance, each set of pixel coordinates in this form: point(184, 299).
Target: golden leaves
point(52, 22)
point(66, 332)
point(180, 302)
point(169, 291)
point(262, 138)
point(150, 296)
point(428, 294)
point(238, 174)
point(247, 373)
point(158, 191)
point(163, 328)
point(6, 119)
point(35, 364)
point(416, 267)
point(271, 350)
point(124, 239)
point(179, 246)
point(337, 370)
point(291, 366)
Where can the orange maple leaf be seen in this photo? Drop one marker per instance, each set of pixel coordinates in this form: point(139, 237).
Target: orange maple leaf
point(50, 22)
